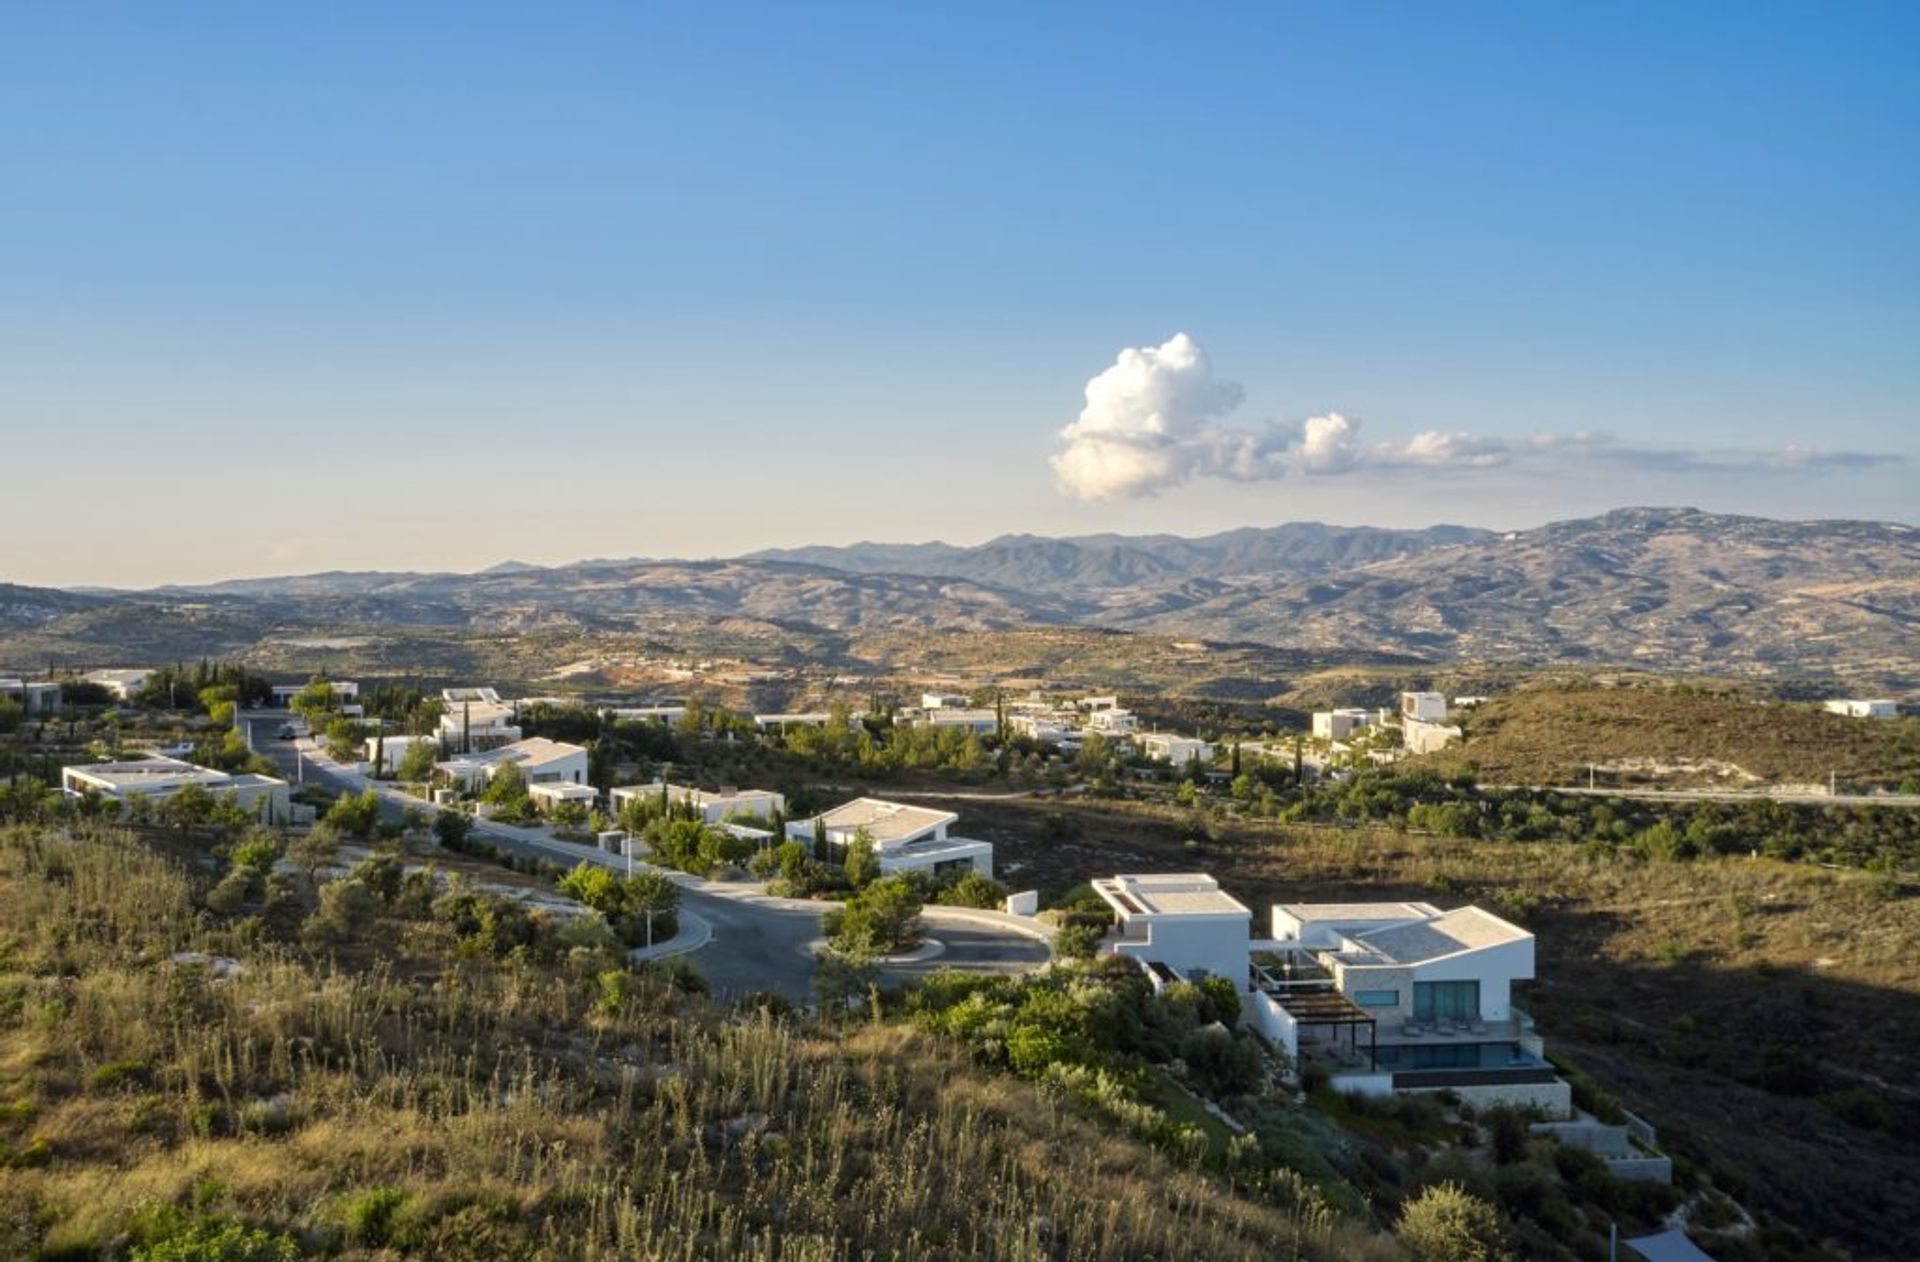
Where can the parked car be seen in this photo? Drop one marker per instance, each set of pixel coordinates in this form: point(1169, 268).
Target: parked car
point(285, 733)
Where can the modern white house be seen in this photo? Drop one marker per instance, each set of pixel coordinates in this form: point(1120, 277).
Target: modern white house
point(157, 779)
point(454, 697)
point(1877, 708)
point(649, 713)
point(1422, 737)
point(1337, 725)
point(549, 794)
point(1427, 707)
point(125, 684)
point(780, 722)
point(37, 697)
point(1405, 997)
point(540, 760)
point(714, 808)
point(1178, 926)
point(1046, 728)
point(1112, 722)
point(978, 722)
point(386, 753)
point(945, 701)
point(1172, 747)
point(904, 838)
point(345, 691)
point(477, 725)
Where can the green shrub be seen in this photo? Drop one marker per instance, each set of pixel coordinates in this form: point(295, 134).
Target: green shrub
point(1447, 1224)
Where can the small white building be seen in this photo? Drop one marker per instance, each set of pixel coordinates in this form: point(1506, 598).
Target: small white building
point(649, 713)
point(1044, 729)
point(1337, 725)
point(1179, 927)
point(781, 722)
point(1425, 707)
point(1421, 737)
point(345, 692)
point(978, 722)
point(478, 725)
point(540, 760)
point(945, 701)
point(904, 838)
point(546, 796)
point(1878, 708)
point(38, 698)
point(455, 697)
point(1113, 722)
point(386, 753)
point(1172, 747)
point(125, 684)
point(157, 779)
point(714, 808)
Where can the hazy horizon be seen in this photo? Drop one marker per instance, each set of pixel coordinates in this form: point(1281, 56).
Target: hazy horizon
point(427, 288)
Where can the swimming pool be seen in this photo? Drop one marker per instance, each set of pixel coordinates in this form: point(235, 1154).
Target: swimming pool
point(1456, 1056)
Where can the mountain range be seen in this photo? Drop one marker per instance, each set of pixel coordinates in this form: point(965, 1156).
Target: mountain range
point(1665, 588)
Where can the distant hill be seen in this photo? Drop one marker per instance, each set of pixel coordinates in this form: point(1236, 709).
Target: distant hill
point(1106, 563)
point(1667, 588)
point(1835, 603)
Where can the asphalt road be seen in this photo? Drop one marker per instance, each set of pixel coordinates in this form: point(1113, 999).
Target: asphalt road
point(758, 943)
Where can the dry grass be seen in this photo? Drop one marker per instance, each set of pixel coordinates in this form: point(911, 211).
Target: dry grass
point(503, 1113)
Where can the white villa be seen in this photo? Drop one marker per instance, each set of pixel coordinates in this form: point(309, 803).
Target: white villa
point(1113, 722)
point(904, 838)
point(1877, 708)
point(36, 697)
point(1045, 728)
point(124, 684)
point(1172, 747)
point(979, 722)
point(477, 723)
point(1405, 997)
point(1337, 725)
point(1179, 927)
point(945, 701)
point(157, 779)
point(344, 690)
point(549, 794)
point(780, 722)
point(542, 762)
point(386, 753)
point(714, 808)
point(1427, 707)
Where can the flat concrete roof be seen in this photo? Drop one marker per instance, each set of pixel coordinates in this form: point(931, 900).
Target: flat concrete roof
point(1171, 894)
point(1357, 913)
point(1453, 933)
point(884, 821)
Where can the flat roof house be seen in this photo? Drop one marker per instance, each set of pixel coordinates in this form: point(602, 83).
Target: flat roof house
point(1172, 747)
point(478, 724)
point(37, 697)
point(979, 722)
point(1427, 707)
point(1178, 926)
point(1877, 708)
point(157, 779)
point(945, 701)
point(548, 795)
point(779, 722)
point(1112, 721)
point(904, 838)
point(386, 753)
point(540, 760)
point(1337, 725)
point(1404, 996)
point(124, 684)
point(714, 808)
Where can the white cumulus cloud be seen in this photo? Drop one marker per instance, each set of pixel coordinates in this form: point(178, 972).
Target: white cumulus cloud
point(1155, 418)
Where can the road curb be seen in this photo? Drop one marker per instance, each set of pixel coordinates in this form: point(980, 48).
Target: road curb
point(694, 933)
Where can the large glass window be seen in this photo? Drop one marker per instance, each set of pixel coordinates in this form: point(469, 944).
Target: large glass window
point(1446, 1001)
point(1377, 998)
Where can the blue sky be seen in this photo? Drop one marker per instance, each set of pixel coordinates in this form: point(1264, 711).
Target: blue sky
point(409, 286)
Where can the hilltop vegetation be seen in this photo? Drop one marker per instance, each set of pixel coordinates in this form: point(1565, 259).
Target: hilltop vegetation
point(447, 1092)
point(1675, 736)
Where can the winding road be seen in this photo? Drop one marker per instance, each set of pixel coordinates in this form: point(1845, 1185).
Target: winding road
point(756, 941)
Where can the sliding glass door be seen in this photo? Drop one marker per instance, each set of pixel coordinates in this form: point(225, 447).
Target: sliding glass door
point(1446, 1001)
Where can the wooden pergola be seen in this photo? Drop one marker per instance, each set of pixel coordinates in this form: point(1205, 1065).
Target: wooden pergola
point(1331, 1008)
